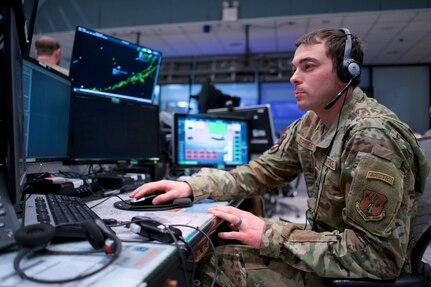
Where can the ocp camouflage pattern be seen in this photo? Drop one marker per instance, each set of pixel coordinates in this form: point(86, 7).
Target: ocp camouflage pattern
point(365, 173)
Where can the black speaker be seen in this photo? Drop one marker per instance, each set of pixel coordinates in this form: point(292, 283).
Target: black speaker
point(348, 69)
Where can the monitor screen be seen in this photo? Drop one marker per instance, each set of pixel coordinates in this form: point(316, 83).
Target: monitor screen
point(260, 121)
point(47, 96)
point(208, 140)
point(107, 66)
point(12, 143)
point(112, 130)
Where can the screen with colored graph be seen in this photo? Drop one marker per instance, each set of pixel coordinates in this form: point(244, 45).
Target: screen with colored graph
point(107, 66)
point(206, 140)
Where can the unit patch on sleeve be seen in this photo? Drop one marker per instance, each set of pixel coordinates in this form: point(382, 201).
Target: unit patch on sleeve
point(371, 205)
point(277, 144)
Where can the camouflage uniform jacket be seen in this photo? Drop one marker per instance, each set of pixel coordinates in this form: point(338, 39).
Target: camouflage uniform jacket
point(366, 173)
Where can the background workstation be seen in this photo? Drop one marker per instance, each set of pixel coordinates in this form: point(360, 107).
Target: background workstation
point(245, 52)
point(246, 46)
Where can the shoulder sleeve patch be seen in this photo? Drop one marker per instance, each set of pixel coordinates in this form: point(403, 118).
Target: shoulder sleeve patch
point(371, 206)
point(277, 145)
point(375, 195)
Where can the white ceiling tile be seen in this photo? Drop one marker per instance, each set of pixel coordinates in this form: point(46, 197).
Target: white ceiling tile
point(381, 32)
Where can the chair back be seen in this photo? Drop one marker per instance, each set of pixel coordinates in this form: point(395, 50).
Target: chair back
point(422, 225)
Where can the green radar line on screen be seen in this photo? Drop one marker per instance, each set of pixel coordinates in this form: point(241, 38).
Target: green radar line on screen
point(138, 77)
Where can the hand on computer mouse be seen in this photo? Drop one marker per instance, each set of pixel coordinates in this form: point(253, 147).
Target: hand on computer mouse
point(172, 190)
point(145, 200)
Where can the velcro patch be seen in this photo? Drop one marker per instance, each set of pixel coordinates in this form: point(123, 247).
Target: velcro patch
point(330, 163)
point(371, 205)
point(307, 144)
point(381, 176)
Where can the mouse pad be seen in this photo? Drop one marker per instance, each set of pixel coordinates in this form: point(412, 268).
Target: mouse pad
point(177, 203)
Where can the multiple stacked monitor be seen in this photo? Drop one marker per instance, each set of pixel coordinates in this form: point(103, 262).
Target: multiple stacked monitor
point(103, 112)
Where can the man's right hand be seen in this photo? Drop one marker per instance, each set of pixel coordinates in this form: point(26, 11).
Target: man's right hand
point(172, 190)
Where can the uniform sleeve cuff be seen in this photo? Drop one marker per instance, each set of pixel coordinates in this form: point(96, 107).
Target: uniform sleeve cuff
point(270, 242)
point(199, 188)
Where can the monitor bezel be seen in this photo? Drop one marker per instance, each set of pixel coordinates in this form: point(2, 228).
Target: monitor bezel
point(175, 153)
point(12, 152)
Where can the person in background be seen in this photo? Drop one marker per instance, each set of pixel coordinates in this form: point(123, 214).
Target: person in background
point(48, 52)
point(363, 169)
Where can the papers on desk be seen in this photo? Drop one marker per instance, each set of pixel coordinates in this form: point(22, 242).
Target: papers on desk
point(136, 262)
point(195, 215)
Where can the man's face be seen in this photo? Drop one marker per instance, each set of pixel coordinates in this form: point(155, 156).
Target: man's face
point(314, 78)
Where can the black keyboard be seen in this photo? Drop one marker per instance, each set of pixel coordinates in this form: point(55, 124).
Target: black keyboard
point(60, 211)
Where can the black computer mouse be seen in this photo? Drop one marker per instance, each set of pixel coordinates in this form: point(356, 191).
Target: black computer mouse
point(145, 200)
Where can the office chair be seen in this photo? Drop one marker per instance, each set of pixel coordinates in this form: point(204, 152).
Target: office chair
point(290, 190)
point(421, 271)
point(273, 205)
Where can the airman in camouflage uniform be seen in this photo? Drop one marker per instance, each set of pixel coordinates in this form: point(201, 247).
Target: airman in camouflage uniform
point(369, 182)
point(363, 171)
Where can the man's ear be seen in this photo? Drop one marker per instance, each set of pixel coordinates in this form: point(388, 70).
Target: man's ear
point(57, 56)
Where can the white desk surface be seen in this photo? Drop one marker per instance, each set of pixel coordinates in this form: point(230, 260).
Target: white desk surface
point(196, 216)
point(136, 262)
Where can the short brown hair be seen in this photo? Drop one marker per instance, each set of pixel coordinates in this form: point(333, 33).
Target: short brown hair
point(46, 45)
point(334, 41)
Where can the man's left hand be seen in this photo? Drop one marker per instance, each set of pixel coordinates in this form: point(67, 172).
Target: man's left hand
point(247, 227)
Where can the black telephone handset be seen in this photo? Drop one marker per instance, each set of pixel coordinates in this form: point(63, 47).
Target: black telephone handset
point(154, 230)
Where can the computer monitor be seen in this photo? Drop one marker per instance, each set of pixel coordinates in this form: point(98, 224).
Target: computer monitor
point(107, 66)
point(47, 95)
point(261, 126)
point(23, 18)
point(113, 130)
point(30, 9)
point(12, 143)
point(201, 140)
point(210, 97)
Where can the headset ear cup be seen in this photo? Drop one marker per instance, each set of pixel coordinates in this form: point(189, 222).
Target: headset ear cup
point(348, 69)
point(93, 234)
point(35, 235)
point(353, 69)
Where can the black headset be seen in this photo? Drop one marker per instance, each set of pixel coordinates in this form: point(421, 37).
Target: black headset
point(35, 238)
point(348, 69)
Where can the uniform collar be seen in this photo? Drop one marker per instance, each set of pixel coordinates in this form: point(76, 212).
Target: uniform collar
point(349, 106)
